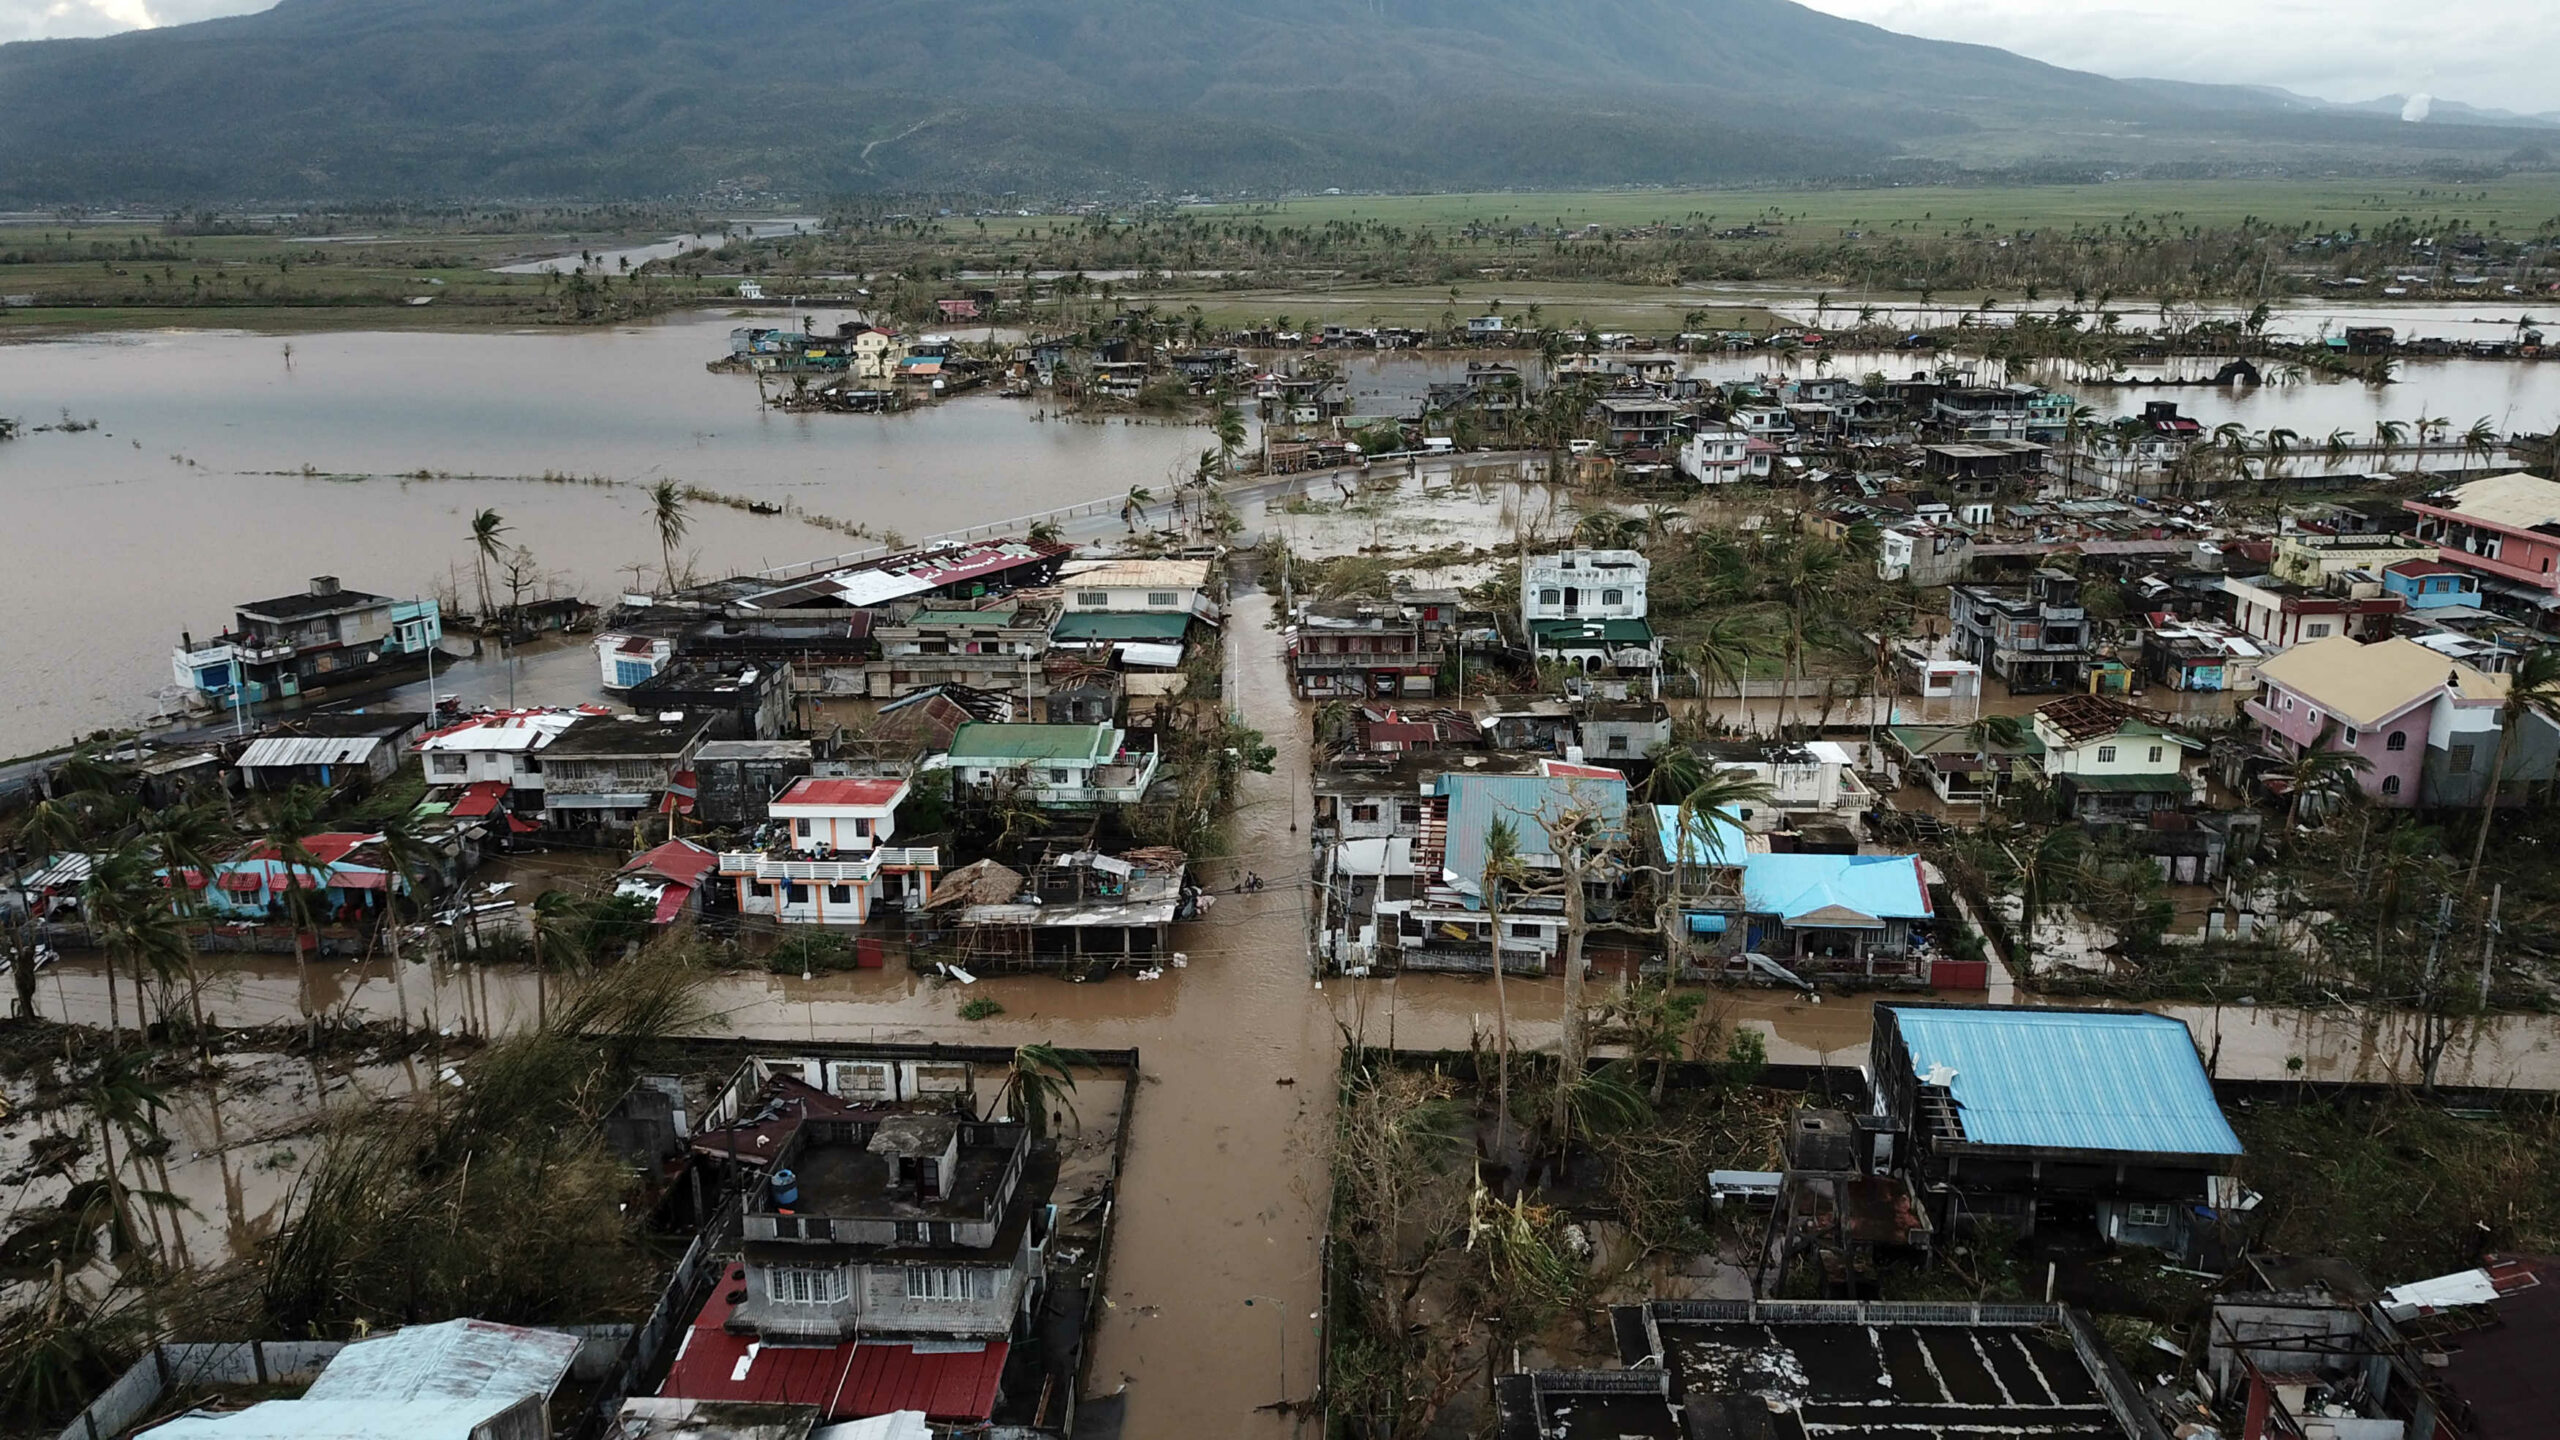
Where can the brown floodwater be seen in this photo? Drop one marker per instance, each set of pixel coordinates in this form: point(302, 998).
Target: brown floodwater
point(1226, 1178)
point(217, 476)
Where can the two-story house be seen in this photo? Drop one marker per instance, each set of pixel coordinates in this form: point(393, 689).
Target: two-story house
point(2108, 762)
point(1636, 421)
point(2505, 528)
point(612, 769)
point(1141, 587)
point(2279, 615)
point(2432, 584)
point(1363, 648)
point(1586, 608)
point(494, 757)
point(1716, 455)
point(994, 645)
point(2313, 559)
point(894, 1244)
point(2033, 636)
point(325, 635)
point(2426, 725)
point(1067, 767)
point(831, 862)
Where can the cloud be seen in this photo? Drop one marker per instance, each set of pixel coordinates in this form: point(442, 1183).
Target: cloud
point(2501, 53)
point(70, 19)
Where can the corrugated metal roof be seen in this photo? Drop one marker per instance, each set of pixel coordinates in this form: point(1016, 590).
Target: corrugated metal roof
point(455, 1360)
point(281, 751)
point(2070, 1079)
point(1528, 802)
point(1834, 889)
point(335, 1420)
point(947, 1385)
point(978, 743)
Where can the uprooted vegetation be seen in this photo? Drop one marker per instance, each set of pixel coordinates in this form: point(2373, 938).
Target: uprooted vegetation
point(490, 1191)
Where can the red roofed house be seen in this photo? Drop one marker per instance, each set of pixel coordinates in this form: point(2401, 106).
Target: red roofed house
point(668, 877)
point(832, 863)
point(895, 1249)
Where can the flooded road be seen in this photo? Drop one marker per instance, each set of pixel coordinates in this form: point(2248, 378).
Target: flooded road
point(217, 476)
point(1226, 1178)
point(617, 261)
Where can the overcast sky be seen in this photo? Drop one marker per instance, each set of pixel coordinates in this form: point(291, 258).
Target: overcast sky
point(2502, 53)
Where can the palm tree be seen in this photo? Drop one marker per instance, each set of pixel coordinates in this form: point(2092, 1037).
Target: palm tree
point(1501, 867)
point(2080, 420)
point(1231, 434)
point(131, 920)
point(407, 857)
point(667, 510)
point(486, 528)
point(1038, 1079)
point(290, 818)
point(2321, 776)
point(1140, 497)
point(2477, 443)
point(121, 1099)
point(2533, 688)
point(1723, 652)
point(2278, 445)
point(182, 838)
point(2337, 448)
point(2046, 874)
point(2388, 435)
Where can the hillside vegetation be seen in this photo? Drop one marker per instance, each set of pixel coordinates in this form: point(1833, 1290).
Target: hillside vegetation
point(638, 98)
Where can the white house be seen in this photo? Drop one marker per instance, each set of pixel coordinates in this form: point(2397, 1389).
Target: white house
point(1584, 585)
point(1139, 587)
point(1481, 325)
point(1069, 766)
point(834, 864)
point(501, 749)
point(1718, 455)
point(628, 660)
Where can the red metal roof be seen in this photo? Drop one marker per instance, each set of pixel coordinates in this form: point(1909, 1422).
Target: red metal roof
point(848, 1381)
point(946, 1386)
point(680, 861)
point(480, 797)
point(860, 794)
point(671, 903)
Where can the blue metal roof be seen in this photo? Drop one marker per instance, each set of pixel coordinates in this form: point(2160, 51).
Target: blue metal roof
point(1791, 887)
point(1528, 802)
point(2071, 1080)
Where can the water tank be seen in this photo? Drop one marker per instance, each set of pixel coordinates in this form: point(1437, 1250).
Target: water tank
point(786, 1188)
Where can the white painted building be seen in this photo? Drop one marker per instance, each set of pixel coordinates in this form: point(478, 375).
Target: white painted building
point(1584, 585)
point(1719, 455)
point(628, 660)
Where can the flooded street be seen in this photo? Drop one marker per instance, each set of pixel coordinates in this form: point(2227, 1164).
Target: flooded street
point(218, 474)
point(1226, 1178)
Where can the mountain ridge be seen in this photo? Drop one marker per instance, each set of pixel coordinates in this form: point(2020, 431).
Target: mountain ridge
point(633, 98)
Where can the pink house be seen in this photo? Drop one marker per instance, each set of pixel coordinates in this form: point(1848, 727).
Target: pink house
point(2505, 527)
point(2425, 724)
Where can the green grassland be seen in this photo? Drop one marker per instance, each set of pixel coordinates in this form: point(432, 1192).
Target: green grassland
point(2512, 205)
point(129, 276)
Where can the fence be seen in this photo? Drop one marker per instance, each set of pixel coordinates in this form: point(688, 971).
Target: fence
point(648, 1343)
point(175, 1367)
point(1850, 1312)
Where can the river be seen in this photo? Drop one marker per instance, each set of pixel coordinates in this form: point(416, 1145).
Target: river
point(630, 257)
point(216, 477)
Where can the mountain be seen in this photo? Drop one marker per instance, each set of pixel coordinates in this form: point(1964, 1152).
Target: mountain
point(356, 99)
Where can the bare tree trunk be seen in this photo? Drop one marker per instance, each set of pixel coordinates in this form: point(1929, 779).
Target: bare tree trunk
point(1574, 1041)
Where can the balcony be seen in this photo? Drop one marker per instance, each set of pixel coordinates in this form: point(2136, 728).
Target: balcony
point(1307, 660)
point(760, 866)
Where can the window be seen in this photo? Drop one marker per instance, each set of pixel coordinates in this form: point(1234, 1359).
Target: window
point(627, 673)
point(1550, 597)
point(2315, 629)
point(1613, 597)
point(950, 1282)
point(2106, 754)
point(839, 894)
point(2314, 713)
point(1093, 599)
point(1058, 777)
point(862, 828)
point(1162, 599)
point(1524, 932)
point(1617, 744)
point(1409, 814)
point(1364, 812)
point(805, 1284)
point(2155, 754)
point(2349, 734)
point(2390, 784)
point(452, 764)
point(2288, 704)
point(2458, 759)
point(2146, 1217)
point(794, 893)
point(801, 827)
point(2399, 741)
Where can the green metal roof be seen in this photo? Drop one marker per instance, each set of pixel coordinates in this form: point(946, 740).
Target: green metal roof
point(980, 742)
point(962, 617)
point(1616, 632)
point(2164, 784)
point(1118, 625)
point(1959, 739)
